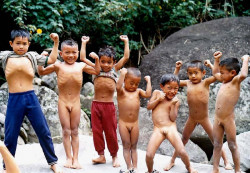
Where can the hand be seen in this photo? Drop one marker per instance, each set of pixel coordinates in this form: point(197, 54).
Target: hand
point(124, 38)
point(54, 37)
point(45, 53)
point(245, 57)
point(217, 55)
point(147, 78)
point(123, 71)
point(94, 55)
point(207, 63)
point(175, 100)
point(85, 39)
point(162, 96)
point(178, 64)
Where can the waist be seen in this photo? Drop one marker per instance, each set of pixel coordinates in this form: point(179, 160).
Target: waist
point(21, 93)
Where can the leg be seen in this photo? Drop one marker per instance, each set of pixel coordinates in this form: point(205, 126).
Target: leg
point(74, 124)
point(38, 121)
point(187, 131)
point(64, 117)
point(126, 143)
point(218, 132)
point(14, 118)
point(230, 130)
point(207, 126)
point(134, 140)
point(155, 141)
point(97, 128)
point(175, 140)
point(109, 126)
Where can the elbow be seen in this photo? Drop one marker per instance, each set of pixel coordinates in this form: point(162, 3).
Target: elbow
point(149, 107)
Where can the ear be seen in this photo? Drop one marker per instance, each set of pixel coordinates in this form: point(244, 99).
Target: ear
point(11, 43)
point(161, 86)
point(29, 43)
point(233, 72)
point(60, 53)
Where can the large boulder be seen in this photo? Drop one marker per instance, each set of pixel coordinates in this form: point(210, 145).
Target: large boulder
point(243, 140)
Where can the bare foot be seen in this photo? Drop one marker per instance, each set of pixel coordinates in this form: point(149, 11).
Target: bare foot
point(100, 160)
point(169, 166)
point(76, 164)
point(56, 169)
point(68, 163)
point(228, 166)
point(115, 162)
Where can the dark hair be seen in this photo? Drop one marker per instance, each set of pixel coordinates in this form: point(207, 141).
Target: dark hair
point(19, 33)
point(133, 71)
point(166, 78)
point(69, 42)
point(108, 51)
point(231, 64)
point(196, 63)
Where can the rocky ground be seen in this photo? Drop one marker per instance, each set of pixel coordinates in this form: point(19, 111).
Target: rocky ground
point(31, 160)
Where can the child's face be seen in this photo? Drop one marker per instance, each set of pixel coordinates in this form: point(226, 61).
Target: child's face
point(226, 75)
point(195, 75)
point(106, 63)
point(170, 89)
point(20, 45)
point(69, 54)
point(131, 83)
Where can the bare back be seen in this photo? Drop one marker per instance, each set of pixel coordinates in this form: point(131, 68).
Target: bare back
point(198, 97)
point(128, 105)
point(69, 79)
point(104, 89)
point(226, 100)
point(19, 74)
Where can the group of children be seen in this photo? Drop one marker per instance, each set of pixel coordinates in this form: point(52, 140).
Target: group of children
point(20, 65)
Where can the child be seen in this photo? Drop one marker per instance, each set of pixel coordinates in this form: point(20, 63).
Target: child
point(164, 106)
point(103, 113)
point(19, 66)
point(128, 98)
point(227, 71)
point(9, 161)
point(69, 80)
point(197, 97)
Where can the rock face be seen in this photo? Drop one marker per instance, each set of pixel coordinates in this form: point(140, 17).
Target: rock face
point(243, 140)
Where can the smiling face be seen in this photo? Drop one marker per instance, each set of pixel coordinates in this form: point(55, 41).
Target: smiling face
point(69, 54)
point(170, 89)
point(131, 82)
point(106, 63)
point(227, 75)
point(20, 45)
point(195, 75)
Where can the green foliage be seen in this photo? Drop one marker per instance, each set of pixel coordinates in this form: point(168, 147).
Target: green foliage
point(105, 20)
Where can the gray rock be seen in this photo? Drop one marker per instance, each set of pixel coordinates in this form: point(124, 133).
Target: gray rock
point(49, 80)
point(243, 141)
point(3, 109)
point(86, 102)
point(23, 134)
point(37, 81)
point(5, 85)
point(2, 118)
point(20, 141)
point(88, 89)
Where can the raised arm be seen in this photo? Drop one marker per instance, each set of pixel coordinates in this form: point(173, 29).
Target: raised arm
point(125, 57)
point(53, 55)
point(93, 70)
point(44, 71)
point(85, 40)
point(174, 109)
point(10, 164)
point(178, 65)
point(216, 68)
point(244, 69)
point(147, 93)
point(120, 81)
point(210, 79)
point(156, 98)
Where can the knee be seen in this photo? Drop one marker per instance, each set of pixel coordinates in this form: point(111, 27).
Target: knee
point(126, 145)
point(133, 146)
point(74, 132)
point(232, 145)
point(181, 152)
point(149, 156)
point(217, 144)
point(66, 132)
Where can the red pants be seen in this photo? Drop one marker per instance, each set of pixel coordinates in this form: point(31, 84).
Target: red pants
point(103, 118)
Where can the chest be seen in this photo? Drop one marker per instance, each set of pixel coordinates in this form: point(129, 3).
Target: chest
point(19, 65)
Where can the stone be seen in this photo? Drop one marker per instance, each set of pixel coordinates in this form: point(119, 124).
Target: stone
point(49, 80)
point(37, 81)
point(2, 118)
point(88, 89)
point(86, 102)
point(20, 141)
point(23, 134)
